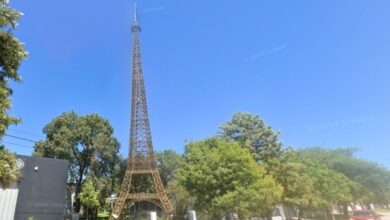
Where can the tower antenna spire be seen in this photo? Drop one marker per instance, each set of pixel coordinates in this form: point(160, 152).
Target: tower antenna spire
point(135, 12)
point(135, 27)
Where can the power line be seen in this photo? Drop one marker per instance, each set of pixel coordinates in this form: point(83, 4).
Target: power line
point(20, 138)
point(25, 132)
point(19, 145)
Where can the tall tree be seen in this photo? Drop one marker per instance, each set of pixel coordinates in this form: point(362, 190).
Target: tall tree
point(12, 54)
point(87, 142)
point(224, 177)
point(252, 132)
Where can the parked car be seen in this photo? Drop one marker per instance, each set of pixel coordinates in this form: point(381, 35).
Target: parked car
point(365, 215)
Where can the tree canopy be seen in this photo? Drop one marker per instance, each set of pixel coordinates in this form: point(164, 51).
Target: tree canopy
point(223, 177)
point(168, 161)
point(12, 54)
point(309, 184)
point(8, 169)
point(253, 133)
point(295, 178)
point(369, 182)
point(88, 143)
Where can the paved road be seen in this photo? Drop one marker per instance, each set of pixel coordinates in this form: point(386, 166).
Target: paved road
point(385, 215)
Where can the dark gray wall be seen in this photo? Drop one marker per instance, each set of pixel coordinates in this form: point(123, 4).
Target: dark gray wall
point(42, 193)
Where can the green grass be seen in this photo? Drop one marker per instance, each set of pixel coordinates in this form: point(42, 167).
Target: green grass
point(382, 210)
point(103, 214)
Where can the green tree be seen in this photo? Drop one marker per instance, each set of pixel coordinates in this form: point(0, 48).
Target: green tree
point(89, 197)
point(223, 177)
point(331, 187)
point(368, 182)
point(252, 132)
point(310, 183)
point(168, 161)
point(12, 54)
point(255, 199)
point(293, 175)
point(120, 165)
point(8, 170)
point(181, 199)
point(88, 143)
point(371, 181)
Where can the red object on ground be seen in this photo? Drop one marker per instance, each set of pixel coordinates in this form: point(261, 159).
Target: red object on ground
point(365, 215)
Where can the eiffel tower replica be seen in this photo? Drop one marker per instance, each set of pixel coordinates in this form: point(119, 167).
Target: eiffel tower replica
point(142, 163)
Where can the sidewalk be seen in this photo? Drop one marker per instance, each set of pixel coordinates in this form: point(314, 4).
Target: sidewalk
point(385, 215)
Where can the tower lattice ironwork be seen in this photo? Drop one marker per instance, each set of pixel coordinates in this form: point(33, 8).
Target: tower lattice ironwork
point(142, 160)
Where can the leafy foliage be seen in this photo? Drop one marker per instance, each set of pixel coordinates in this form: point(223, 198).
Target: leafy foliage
point(255, 199)
point(89, 196)
point(309, 184)
point(368, 181)
point(168, 162)
point(118, 173)
point(330, 187)
point(181, 199)
point(8, 169)
point(12, 54)
point(223, 178)
point(252, 132)
point(88, 143)
point(293, 175)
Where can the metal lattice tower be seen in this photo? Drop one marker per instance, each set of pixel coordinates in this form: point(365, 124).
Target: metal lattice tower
point(142, 160)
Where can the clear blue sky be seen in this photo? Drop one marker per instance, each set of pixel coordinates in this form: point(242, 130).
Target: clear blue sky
point(317, 71)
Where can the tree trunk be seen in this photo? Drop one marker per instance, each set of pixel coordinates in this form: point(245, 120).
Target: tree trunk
point(300, 214)
point(345, 211)
point(78, 190)
point(95, 212)
point(91, 213)
point(330, 211)
point(269, 214)
point(77, 205)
